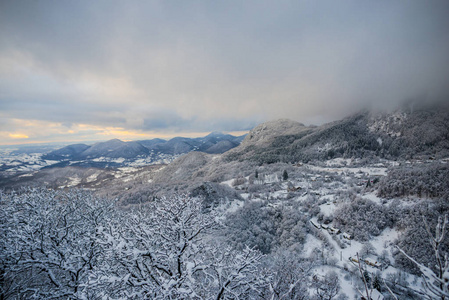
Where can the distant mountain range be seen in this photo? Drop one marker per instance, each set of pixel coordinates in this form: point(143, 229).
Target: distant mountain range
point(116, 149)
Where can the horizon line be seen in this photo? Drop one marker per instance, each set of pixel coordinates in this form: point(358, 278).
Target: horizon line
point(93, 141)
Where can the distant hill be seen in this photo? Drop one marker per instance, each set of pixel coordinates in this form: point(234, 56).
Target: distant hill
point(264, 134)
point(150, 143)
point(115, 149)
point(68, 152)
point(111, 149)
point(215, 143)
point(207, 144)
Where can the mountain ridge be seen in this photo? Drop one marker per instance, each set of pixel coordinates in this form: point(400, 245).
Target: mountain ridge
point(216, 142)
point(401, 134)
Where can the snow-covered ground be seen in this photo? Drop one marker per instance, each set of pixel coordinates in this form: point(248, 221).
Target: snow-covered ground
point(314, 183)
point(23, 162)
point(311, 182)
point(371, 171)
point(12, 162)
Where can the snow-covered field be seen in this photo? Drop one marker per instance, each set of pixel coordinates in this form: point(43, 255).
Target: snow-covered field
point(12, 163)
point(23, 162)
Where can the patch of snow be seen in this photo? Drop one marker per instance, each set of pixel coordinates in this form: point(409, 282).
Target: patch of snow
point(245, 196)
point(26, 175)
point(310, 244)
point(326, 147)
point(128, 169)
point(92, 177)
point(228, 182)
point(73, 181)
point(383, 241)
point(373, 197)
point(338, 162)
point(327, 208)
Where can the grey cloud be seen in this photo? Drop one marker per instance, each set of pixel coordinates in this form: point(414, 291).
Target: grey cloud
point(63, 111)
point(219, 65)
point(165, 121)
point(169, 121)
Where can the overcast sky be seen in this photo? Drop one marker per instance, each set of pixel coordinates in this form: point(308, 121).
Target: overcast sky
point(95, 70)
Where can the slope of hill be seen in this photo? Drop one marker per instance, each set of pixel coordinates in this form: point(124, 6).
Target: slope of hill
point(183, 168)
point(181, 145)
point(115, 149)
point(264, 134)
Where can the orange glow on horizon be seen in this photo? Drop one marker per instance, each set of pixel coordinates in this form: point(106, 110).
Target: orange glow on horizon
point(18, 136)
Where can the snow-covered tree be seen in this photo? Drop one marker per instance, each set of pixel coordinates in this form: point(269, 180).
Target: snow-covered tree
point(328, 287)
point(290, 276)
point(166, 251)
point(435, 284)
point(49, 242)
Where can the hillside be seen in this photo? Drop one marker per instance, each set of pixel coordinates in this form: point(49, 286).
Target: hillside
point(401, 134)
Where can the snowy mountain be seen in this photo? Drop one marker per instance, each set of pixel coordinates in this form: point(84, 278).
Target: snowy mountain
point(68, 152)
point(110, 154)
point(112, 149)
point(207, 144)
point(116, 151)
point(264, 134)
point(404, 133)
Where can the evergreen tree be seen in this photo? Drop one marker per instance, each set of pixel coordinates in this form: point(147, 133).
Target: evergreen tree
point(377, 283)
point(285, 175)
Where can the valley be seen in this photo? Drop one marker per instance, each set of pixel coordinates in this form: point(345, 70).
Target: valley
point(340, 218)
